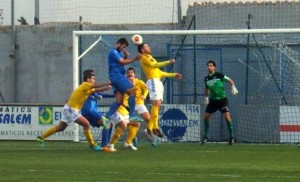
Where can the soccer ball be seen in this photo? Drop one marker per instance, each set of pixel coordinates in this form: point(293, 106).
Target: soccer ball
point(137, 39)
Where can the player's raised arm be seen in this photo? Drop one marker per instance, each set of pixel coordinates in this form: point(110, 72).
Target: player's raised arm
point(103, 88)
point(175, 75)
point(234, 90)
point(156, 64)
point(127, 60)
point(98, 84)
point(178, 76)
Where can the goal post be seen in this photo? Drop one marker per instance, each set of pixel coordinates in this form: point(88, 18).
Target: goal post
point(267, 94)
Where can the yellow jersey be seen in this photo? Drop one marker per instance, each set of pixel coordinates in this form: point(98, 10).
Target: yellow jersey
point(151, 67)
point(79, 95)
point(122, 110)
point(140, 90)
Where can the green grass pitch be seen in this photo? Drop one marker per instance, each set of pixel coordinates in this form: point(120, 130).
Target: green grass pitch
point(68, 161)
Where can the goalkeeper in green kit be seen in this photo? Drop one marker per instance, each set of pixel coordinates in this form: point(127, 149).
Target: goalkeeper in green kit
point(217, 100)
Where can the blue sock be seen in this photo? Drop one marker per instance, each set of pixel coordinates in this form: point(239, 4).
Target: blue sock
point(113, 108)
point(109, 134)
point(131, 103)
point(105, 137)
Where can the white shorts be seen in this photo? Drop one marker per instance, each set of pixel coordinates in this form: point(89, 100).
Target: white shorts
point(141, 108)
point(117, 117)
point(156, 89)
point(69, 114)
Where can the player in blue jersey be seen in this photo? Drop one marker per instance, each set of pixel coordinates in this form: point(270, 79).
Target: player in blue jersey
point(95, 118)
point(117, 58)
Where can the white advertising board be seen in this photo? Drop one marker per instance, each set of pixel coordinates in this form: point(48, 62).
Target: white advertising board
point(28, 122)
point(289, 124)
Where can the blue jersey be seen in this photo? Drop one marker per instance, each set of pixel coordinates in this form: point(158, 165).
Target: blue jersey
point(90, 108)
point(90, 104)
point(115, 68)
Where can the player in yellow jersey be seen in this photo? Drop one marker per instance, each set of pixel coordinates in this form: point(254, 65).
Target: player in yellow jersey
point(121, 120)
point(153, 74)
point(141, 92)
point(71, 110)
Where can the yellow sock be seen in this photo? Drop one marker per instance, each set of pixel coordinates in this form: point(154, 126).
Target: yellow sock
point(116, 136)
point(132, 130)
point(154, 116)
point(89, 137)
point(150, 124)
point(49, 132)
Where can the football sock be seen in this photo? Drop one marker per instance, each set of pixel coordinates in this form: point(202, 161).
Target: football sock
point(149, 125)
point(132, 130)
point(151, 121)
point(206, 128)
point(48, 132)
point(131, 104)
point(154, 116)
point(89, 137)
point(105, 137)
point(229, 126)
point(116, 136)
point(109, 133)
point(113, 108)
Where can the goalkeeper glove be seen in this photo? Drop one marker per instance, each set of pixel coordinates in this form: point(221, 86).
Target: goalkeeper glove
point(206, 100)
point(234, 91)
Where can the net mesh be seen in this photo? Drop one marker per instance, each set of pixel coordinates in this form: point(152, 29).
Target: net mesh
point(264, 68)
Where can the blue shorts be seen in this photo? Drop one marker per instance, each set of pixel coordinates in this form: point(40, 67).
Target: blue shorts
point(93, 118)
point(121, 84)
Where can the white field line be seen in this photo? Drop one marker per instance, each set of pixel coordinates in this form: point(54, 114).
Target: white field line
point(149, 173)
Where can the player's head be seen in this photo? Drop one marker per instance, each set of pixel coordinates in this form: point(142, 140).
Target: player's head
point(130, 72)
point(211, 66)
point(121, 44)
point(89, 76)
point(144, 48)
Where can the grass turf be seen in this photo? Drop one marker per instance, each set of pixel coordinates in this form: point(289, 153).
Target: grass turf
point(68, 161)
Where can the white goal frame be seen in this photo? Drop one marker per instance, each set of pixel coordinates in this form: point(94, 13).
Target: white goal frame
point(77, 57)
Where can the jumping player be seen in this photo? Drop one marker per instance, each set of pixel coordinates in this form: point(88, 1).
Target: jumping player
point(153, 75)
point(117, 58)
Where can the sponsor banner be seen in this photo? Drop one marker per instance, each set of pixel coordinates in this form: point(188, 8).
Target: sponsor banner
point(28, 122)
point(180, 123)
point(289, 124)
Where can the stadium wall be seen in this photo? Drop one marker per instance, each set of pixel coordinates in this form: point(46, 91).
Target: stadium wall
point(234, 15)
point(42, 64)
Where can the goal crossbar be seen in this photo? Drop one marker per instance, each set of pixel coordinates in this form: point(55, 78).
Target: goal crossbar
point(188, 32)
